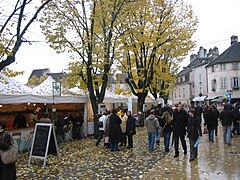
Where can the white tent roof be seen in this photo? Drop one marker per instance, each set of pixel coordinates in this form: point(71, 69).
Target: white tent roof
point(111, 97)
point(13, 92)
point(11, 86)
point(45, 88)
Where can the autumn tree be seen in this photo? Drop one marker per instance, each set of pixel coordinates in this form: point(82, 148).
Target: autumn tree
point(164, 77)
point(87, 31)
point(35, 81)
point(16, 18)
point(156, 29)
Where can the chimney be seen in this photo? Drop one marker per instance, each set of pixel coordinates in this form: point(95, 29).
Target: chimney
point(193, 57)
point(234, 39)
point(201, 52)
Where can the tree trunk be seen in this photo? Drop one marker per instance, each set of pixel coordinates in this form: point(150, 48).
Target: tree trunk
point(141, 101)
point(94, 104)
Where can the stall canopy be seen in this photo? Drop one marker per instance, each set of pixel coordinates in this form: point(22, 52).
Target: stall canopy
point(199, 98)
point(11, 86)
point(13, 92)
point(211, 97)
point(111, 97)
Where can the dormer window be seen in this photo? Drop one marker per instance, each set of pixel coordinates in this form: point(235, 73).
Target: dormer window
point(183, 78)
point(213, 68)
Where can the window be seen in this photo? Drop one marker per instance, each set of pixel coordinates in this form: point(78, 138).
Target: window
point(222, 67)
point(200, 90)
point(235, 66)
point(213, 84)
point(212, 68)
point(179, 92)
point(235, 82)
point(200, 78)
point(183, 92)
point(183, 78)
point(223, 84)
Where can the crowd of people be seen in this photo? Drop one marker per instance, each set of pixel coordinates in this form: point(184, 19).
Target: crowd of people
point(178, 122)
point(116, 130)
point(183, 120)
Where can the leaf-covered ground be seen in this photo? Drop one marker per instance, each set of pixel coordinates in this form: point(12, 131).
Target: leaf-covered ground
point(83, 160)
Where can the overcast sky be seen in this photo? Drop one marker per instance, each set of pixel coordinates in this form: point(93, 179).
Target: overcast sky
point(218, 21)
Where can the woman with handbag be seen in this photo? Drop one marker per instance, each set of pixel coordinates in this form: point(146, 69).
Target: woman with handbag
point(7, 171)
point(166, 123)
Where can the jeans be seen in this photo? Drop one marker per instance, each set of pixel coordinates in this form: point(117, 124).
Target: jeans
point(158, 135)
point(227, 134)
point(167, 140)
point(193, 150)
point(151, 140)
point(114, 147)
point(211, 135)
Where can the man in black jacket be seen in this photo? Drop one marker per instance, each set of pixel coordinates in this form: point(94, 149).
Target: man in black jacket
point(180, 119)
point(226, 116)
point(236, 112)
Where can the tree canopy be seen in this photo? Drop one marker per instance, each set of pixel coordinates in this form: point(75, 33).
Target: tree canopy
point(158, 36)
point(87, 31)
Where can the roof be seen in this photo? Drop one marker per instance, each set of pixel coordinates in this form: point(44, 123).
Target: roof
point(9, 85)
point(57, 76)
point(196, 63)
point(39, 72)
point(232, 54)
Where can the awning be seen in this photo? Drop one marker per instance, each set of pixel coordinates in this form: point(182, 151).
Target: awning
point(211, 97)
point(217, 100)
point(202, 98)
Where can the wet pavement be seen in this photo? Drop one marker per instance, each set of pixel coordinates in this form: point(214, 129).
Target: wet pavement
point(81, 159)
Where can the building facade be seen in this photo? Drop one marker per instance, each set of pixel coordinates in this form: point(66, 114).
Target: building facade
point(224, 73)
point(192, 80)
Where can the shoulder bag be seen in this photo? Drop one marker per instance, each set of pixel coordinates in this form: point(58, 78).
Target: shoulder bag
point(10, 155)
point(161, 133)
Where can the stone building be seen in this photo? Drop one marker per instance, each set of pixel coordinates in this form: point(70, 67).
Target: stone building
point(224, 73)
point(192, 80)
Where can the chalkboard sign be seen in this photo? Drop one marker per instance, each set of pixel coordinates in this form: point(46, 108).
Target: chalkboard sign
point(43, 142)
point(40, 141)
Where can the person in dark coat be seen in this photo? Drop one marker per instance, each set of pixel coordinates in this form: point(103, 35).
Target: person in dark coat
point(210, 122)
point(199, 112)
point(7, 171)
point(115, 132)
point(180, 119)
point(226, 116)
point(130, 129)
point(77, 126)
point(59, 129)
point(216, 116)
point(193, 129)
point(19, 121)
point(236, 120)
